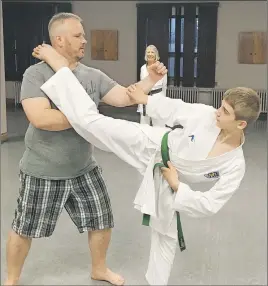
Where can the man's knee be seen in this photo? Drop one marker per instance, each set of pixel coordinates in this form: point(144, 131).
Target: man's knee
point(29, 232)
point(104, 225)
point(104, 233)
point(14, 235)
point(103, 230)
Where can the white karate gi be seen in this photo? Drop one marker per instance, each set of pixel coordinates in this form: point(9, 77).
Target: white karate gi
point(162, 83)
point(139, 146)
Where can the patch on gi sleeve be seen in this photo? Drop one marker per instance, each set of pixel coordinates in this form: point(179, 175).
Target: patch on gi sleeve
point(212, 175)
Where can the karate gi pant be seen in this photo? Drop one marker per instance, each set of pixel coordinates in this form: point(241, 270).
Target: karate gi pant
point(133, 143)
point(162, 253)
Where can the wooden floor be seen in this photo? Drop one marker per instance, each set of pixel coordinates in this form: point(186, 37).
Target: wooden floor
point(227, 249)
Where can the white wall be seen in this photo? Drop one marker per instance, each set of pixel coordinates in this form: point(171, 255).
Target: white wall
point(233, 17)
point(118, 15)
point(2, 78)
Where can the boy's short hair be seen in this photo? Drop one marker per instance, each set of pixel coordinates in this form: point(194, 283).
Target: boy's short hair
point(245, 103)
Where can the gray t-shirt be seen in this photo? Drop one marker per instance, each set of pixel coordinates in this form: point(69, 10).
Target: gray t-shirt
point(59, 154)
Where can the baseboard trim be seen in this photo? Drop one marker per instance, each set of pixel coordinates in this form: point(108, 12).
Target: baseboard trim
point(4, 137)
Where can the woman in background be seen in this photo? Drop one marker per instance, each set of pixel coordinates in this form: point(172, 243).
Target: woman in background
point(151, 56)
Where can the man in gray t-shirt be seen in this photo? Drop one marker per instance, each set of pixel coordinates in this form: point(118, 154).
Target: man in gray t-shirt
point(59, 155)
point(58, 169)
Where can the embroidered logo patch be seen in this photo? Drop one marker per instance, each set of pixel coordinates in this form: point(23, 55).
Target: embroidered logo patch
point(212, 175)
point(192, 137)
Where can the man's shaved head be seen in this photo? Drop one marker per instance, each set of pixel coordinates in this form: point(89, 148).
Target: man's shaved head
point(56, 23)
point(67, 36)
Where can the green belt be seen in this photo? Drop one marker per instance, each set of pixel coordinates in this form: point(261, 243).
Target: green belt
point(165, 159)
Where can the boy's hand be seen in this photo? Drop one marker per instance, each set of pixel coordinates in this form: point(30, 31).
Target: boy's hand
point(136, 94)
point(171, 176)
point(157, 71)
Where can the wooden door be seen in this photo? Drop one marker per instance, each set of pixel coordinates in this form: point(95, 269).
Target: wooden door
point(252, 48)
point(104, 45)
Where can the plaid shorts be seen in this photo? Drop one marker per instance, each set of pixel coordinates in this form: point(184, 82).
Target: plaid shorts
point(41, 201)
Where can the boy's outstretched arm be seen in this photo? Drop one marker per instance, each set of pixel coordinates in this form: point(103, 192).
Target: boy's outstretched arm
point(171, 111)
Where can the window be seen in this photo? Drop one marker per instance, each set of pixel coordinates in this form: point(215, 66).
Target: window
point(172, 46)
point(172, 27)
point(24, 27)
point(188, 48)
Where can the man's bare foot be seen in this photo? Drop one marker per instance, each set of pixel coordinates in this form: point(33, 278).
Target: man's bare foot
point(10, 282)
point(108, 276)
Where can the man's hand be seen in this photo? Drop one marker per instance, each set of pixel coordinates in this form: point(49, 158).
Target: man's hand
point(39, 112)
point(171, 176)
point(136, 94)
point(157, 71)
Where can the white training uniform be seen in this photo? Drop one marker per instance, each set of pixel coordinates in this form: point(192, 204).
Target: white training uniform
point(162, 83)
point(139, 146)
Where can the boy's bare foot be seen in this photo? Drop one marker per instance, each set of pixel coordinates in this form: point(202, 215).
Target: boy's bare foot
point(49, 55)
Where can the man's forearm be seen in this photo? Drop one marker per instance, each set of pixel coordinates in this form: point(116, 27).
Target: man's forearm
point(53, 120)
point(118, 95)
point(146, 84)
point(121, 99)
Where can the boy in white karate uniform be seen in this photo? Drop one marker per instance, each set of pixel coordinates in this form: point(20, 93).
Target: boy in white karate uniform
point(206, 147)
